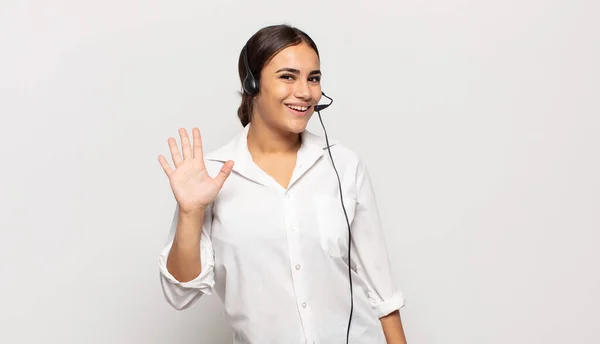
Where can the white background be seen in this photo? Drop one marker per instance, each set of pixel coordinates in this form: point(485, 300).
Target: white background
point(479, 121)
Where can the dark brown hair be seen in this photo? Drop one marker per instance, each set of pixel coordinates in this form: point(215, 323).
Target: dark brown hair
point(261, 47)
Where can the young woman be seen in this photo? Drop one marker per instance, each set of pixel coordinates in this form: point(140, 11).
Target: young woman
point(261, 219)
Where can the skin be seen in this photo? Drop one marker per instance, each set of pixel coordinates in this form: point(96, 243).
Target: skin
point(290, 77)
point(194, 189)
point(274, 136)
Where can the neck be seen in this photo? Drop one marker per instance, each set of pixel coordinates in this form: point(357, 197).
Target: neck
point(263, 139)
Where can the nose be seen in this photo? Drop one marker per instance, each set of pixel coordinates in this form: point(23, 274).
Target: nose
point(302, 90)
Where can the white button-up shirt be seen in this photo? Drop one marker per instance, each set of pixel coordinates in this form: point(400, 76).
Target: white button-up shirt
point(278, 258)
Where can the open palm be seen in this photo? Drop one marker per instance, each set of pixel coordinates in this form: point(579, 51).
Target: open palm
point(193, 188)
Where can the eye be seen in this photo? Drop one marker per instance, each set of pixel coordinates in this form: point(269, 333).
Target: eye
point(287, 76)
point(313, 79)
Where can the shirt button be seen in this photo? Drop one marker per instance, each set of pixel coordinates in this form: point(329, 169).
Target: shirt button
point(297, 266)
point(303, 304)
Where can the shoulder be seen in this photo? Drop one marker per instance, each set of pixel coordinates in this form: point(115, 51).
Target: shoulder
point(215, 158)
point(345, 152)
point(341, 151)
point(214, 162)
point(348, 161)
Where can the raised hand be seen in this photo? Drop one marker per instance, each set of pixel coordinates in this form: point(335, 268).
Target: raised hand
point(192, 187)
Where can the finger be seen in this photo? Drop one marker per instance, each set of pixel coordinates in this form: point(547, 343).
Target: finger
point(165, 165)
point(177, 159)
point(198, 154)
point(224, 173)
point(185, 144)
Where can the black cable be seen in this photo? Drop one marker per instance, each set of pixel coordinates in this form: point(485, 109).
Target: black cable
point(349, 231)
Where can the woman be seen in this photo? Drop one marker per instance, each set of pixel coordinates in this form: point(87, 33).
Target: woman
point(260, 220)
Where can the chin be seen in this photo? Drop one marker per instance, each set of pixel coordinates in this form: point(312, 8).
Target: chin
point(297, 125)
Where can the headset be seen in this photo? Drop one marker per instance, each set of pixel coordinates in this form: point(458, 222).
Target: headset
point(251, 87)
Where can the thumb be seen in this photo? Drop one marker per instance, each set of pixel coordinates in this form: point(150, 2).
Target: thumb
point(224, 173)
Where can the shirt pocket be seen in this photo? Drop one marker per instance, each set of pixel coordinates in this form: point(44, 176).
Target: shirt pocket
point(333, 228)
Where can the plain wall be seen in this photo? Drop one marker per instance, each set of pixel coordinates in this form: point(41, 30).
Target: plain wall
point(479, 122)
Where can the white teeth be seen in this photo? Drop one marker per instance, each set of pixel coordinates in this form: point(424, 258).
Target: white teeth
point(299, 108)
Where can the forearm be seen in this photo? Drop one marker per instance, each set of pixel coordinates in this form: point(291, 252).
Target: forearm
point(184, 258)
point(392, 328)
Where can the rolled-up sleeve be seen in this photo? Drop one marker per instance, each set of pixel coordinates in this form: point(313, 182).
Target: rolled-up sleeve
point(179, 294)
point(369, 251)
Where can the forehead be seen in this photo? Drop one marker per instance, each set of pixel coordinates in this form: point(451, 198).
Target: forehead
point(301, 57)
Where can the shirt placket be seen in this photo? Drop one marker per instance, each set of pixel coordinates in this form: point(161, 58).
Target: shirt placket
point(296, 266)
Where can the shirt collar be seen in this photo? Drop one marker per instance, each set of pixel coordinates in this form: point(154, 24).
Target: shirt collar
point(237, 150)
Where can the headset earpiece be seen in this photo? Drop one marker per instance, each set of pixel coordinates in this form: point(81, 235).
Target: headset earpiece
point(250, 84)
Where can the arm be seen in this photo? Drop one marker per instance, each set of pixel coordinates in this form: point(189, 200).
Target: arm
point(392, 328)
point(189, 258)
point(184, 261)
point(372, 261)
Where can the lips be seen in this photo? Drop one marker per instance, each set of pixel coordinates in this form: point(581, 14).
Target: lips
point(297, 109)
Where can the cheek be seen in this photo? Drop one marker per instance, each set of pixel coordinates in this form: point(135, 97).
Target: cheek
point(281, 92)
point(270, 101)
point(276, 96)
point(316, 93)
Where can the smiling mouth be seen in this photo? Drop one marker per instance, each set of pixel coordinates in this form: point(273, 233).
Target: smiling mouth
point(298, 109)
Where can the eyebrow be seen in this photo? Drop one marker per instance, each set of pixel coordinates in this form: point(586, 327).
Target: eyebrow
point(295, 71)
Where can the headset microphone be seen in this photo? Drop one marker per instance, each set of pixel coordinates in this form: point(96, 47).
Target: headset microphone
point(323, 106)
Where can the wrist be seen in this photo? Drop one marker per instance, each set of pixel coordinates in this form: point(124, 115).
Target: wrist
point(191, 213)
